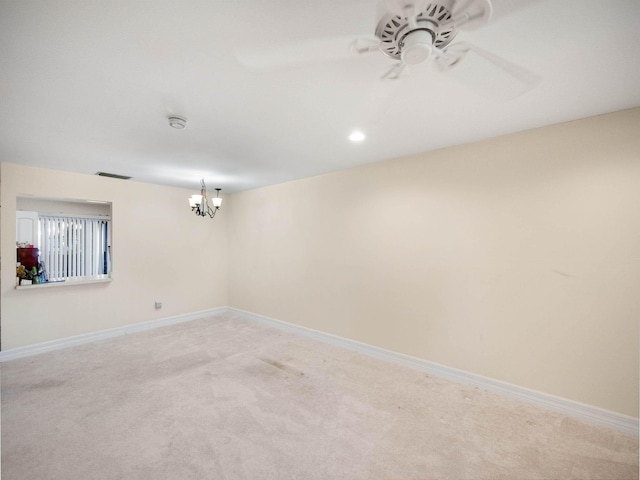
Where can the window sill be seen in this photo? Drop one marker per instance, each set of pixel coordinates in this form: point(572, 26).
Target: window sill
point(67, 283)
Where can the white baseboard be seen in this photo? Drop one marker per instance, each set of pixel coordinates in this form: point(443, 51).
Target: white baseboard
point(19, 352)
point(577, 410)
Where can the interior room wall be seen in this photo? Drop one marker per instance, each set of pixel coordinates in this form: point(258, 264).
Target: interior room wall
point(516, 258)
point(161, 252)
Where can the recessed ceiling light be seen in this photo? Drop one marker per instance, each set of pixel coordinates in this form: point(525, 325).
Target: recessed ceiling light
point(357, 136)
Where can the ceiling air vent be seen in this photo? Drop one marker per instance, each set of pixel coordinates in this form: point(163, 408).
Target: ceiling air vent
point(112, 175)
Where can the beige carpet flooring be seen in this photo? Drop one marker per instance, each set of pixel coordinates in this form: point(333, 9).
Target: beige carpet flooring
point(223, 398)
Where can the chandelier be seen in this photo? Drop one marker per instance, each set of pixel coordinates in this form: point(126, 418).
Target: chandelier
point(199, 204)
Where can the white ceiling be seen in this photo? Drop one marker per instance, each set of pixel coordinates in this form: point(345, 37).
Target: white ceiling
point(86, 86)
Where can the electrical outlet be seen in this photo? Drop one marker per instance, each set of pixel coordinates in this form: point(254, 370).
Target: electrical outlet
point(158, 305)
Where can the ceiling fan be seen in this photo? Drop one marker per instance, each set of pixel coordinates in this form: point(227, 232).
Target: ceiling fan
point(409, 32)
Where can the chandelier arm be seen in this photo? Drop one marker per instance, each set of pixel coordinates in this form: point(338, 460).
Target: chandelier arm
point(211, 212)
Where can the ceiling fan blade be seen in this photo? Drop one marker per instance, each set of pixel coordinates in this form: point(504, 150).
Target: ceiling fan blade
point(302, 53)
point(377, 103)
point(394, 72)
point(485, 72)
point(405, 8)
point(473, 14)
point(470, 14)
point(504, 8)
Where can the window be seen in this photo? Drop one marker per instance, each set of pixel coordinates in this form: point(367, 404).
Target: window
point(73, 246)
point(62, 241)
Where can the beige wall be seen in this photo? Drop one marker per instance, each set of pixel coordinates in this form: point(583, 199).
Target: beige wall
point(161, 251)
point(516, 258)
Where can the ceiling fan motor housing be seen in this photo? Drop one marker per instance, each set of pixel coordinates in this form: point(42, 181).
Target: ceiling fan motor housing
point(413, 43)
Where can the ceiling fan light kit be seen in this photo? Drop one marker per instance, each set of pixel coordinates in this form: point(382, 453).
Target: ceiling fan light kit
point(416, 47)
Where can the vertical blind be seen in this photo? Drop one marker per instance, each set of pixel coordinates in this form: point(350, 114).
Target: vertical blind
point(73, 246)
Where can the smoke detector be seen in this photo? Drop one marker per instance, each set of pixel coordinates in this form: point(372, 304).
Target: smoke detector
point(178, 123)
